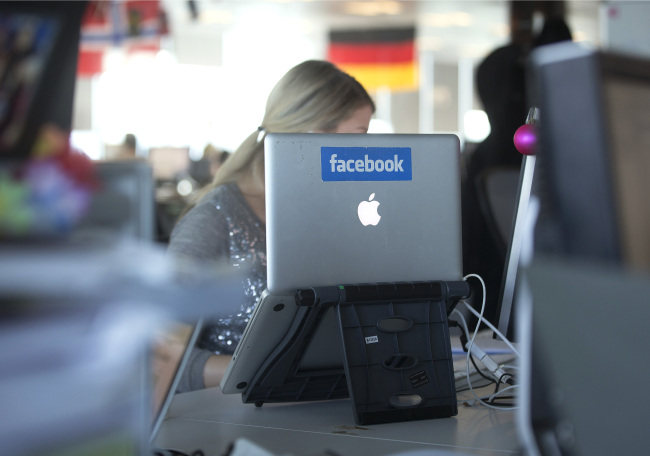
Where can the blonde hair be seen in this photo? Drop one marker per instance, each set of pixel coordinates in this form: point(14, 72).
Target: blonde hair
point(314, 95)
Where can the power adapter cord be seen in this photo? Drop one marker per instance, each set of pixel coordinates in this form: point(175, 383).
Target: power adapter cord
point(495, 369)
point(473, 350)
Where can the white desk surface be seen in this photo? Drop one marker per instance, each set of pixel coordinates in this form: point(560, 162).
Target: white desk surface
point(210, 421)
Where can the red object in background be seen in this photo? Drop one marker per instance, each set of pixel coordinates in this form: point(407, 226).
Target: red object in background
point(135, 26)
point(90, 62)
point(78, 167)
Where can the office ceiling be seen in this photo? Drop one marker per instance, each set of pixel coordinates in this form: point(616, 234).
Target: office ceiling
point(452, 29)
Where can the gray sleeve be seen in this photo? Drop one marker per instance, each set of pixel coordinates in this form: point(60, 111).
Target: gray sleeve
point(192, 377)
point(202, 235)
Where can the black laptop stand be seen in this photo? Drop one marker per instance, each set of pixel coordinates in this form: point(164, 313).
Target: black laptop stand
point(396, 363)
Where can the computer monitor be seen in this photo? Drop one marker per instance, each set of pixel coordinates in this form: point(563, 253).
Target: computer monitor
point(38, 64)
point(593, 157)
point(123, 206)
point(626, 98)
point(506, 306)
point(591, 180)
point(169, 163)
point(593, 143)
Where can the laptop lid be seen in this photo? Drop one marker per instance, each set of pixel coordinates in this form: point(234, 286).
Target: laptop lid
point(358, 208)
point(172, 347)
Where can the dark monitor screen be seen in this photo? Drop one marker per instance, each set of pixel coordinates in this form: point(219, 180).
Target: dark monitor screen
point(38, 64)
point(123, 206)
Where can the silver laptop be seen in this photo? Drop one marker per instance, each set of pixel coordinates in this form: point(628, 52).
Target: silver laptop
point(358, 208)
point(168, 366)
point(348, 209)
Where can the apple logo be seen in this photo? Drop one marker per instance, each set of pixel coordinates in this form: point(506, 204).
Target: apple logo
point(367, 211)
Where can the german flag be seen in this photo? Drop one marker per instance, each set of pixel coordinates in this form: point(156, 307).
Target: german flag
point(376, 57)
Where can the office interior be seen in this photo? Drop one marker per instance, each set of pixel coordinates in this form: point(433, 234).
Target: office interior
point(85, 291)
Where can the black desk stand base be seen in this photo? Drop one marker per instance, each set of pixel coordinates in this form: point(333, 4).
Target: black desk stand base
point(397, 363)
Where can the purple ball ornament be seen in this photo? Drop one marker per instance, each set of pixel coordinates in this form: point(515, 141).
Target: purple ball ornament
point(525, 139)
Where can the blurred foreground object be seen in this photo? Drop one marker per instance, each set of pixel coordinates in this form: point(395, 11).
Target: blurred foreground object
point(77, 327)
point(48, 194)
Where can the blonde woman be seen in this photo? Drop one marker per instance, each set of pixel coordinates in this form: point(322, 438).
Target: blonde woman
point(227, 219)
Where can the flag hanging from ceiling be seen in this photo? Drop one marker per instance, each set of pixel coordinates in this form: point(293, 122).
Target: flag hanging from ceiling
point(377, 58)
point(134, 26)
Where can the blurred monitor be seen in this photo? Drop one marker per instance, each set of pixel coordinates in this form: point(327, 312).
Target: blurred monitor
point(38, 65)
point(592, 171)
point(627, 101)
point(123, 207)
point(594, 154)
point(71, 382)
point(169, 163)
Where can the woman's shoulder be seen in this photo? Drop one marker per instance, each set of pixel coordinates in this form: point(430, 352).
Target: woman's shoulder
point(229, 200)
point(222, 206)
point(223, 196)
point(211, 205)
point(202, 232)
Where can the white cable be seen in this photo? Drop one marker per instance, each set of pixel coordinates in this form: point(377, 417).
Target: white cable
point(481, 358)
point(495, 368)
point(490, 325)
point(492, 366)
point(471, 343)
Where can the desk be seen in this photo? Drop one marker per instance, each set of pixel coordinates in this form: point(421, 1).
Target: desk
point(210, 421)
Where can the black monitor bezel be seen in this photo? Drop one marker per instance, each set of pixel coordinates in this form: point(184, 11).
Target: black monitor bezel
point(53, 96)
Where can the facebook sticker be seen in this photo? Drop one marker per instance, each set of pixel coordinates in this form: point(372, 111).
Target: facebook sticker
point(366, 164)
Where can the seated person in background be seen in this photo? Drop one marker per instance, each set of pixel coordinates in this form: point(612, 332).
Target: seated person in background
point(226, 219)
point(128, 148)
point(204, 169)
point(501, 85)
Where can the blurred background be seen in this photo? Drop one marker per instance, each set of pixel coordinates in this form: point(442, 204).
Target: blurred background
point(203, 77)
point(180, 83)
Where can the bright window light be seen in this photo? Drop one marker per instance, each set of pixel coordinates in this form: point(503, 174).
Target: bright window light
point(185, 105)
point(87, 142)
point(476, 125)
point(184, 187)
point(380, 126)
point(164, 103)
